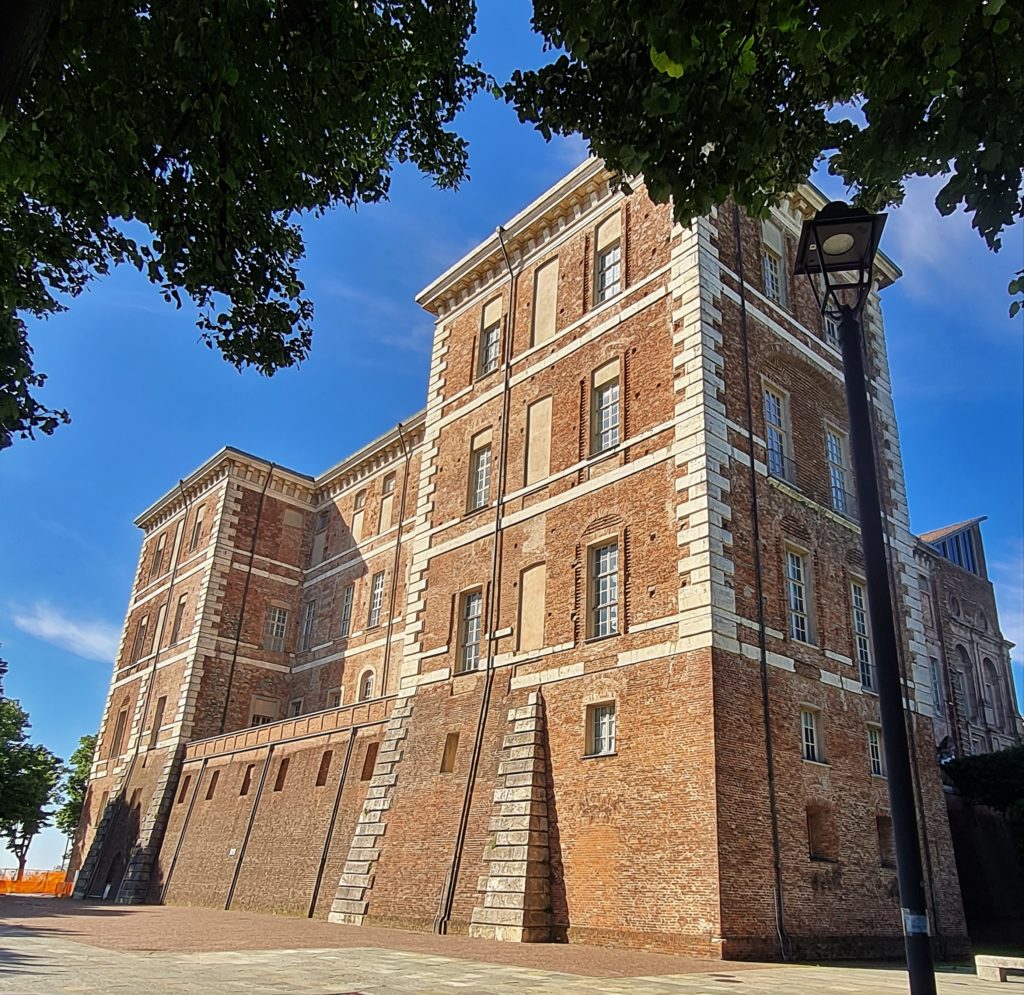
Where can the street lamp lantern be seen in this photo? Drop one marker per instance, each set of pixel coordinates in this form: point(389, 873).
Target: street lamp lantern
point(837, 254)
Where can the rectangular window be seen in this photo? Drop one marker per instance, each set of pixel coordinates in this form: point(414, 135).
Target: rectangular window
point(608, 258)
point(197, 530)
point(538, 440)
point(247, 779)
point(797, 585)
point(334, 698)
point(214, 778)
point(140, 640)
point(156, 567)
point(545, 301)
point(490, 349)
point(861, 635)
point(886, 846)
point(810, 730)
point(376, 599)
point(307, 624)
point(605, 408)
point(609, 272)
point(184, 788)
point(282, 773)
point(346, 608)
point(294, 708)
point(470, 627)
point(120, 726)
point(604, 590)
point(601, 729)
point(776, 435)
point(937, 688)
point(835, 451)
point(532, 585)
point(158, 720)
point(772, 254)
point(480, 476)
point(822, 839)
point(262, 711)
point(179, 615)
point(876, 755)
point(451, 746)
point(325, 768)
point(369, 761)
point(275, 627)
point(831, 327)
point(387, 503)
point(358, 510)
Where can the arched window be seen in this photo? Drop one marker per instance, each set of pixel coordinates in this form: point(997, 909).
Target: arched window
point(969, 688)
point(366, 686)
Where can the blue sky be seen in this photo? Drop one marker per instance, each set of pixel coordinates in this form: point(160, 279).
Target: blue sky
point(149, 404)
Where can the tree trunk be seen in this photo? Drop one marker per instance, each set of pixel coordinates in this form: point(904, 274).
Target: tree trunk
point(22, 858)
point(25, 30)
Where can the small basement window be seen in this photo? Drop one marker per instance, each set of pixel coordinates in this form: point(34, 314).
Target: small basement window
point(325, 768)
point(247, 779)
point(369, 761)
point(886, 845)
point(451, 746)
point(282, 773)
point(822, 839)
point(213, 785)
point(184, 788)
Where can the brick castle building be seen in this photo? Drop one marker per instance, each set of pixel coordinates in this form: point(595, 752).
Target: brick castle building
point(577, 652)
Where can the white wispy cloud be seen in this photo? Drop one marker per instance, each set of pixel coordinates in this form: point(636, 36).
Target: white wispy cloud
point(92, 638)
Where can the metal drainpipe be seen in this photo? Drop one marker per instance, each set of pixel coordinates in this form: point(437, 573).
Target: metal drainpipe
point(181, 835)
point(330, 825)
point(245, 596)
point(451, 880)
point(248, 827)
point(394, 565)
point(785, 946)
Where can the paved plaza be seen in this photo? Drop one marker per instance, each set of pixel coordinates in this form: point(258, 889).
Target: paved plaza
point(49, 946)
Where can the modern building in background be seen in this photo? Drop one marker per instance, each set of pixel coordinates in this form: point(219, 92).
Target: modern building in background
point(578, 652)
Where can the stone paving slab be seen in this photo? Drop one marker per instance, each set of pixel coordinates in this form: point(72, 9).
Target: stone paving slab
point(32, 964)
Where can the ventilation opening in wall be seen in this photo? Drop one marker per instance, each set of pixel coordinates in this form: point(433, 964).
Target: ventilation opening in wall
point(184, 788)
point(369, 761)
point(214, 778)
point(325, 768)
point(886, 845)
point(282, 773)
point(451, 746)
point(247, 779)
point(822, 840)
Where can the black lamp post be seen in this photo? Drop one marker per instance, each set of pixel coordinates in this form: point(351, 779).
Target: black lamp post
point(837, 253)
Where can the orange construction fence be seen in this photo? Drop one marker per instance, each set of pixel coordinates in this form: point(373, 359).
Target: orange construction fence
point(35, 883)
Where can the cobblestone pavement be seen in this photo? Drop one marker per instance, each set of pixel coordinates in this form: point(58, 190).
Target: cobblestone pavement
point(37, 957)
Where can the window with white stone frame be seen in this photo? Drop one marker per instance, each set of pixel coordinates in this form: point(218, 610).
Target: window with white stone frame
point(831, 329)
point(776, 430)
point(307, 624)
point(772, 255)
point(862, 634)
point(470, 631)
point(376, 599)
point(609, 272)
point(480, 476)
point(490, 349)
point(347, 597)
point(606, 408)
point(275, 628)
point(600, 729)
point(876, 752)
point(366, 686)
point(798, 596)
point(811, 743)
point(835, 452)
point(604, 590)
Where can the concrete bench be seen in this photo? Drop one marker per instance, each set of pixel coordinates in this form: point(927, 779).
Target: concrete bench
point(992, 968)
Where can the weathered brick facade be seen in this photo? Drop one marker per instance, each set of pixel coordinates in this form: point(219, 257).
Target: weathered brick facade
point(549, 686)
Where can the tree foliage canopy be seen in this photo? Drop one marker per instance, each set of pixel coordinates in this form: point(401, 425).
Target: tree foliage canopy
point(215, 123)
point(212, 122)
point(76, 780)
point(993, 779)
point(708, 100)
